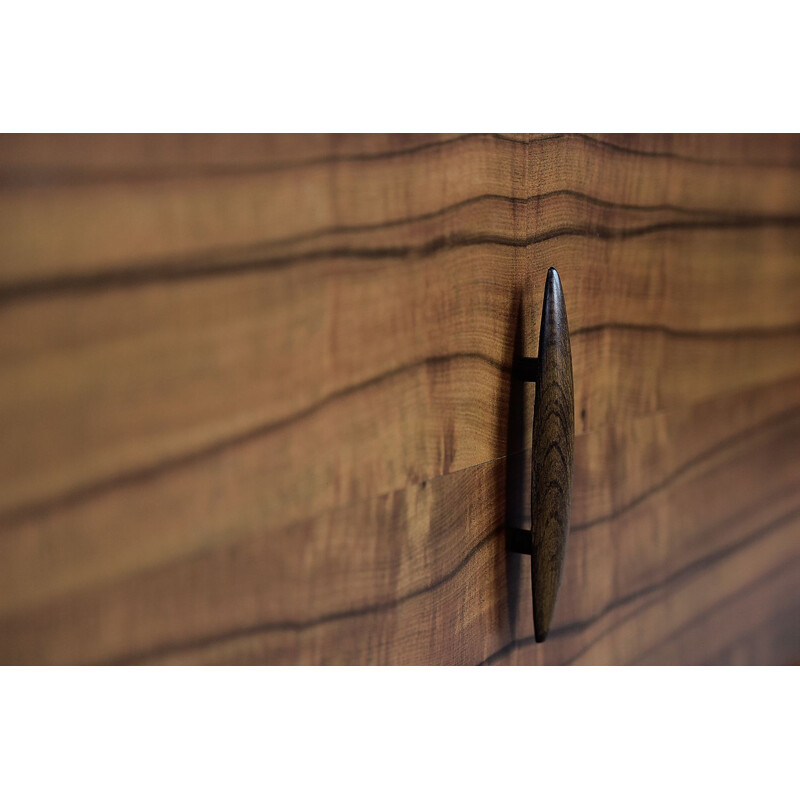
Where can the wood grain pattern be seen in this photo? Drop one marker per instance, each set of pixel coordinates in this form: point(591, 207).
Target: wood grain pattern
point(255, 393)
point(552, 455)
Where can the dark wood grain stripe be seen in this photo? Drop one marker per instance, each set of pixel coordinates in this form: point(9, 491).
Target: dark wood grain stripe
point(305, 624)
point(183, 460)
point(692, 568)
point(784, 566)
point(514, 202)
point(105, 280)
point(54, 176)
point(87, 492)
point(744, 332)
point(689, 159)
point(705, 455)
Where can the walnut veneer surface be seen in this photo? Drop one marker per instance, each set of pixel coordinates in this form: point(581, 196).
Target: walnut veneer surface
point(255, 393)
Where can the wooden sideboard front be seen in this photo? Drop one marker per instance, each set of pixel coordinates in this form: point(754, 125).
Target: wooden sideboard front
point(255, 397)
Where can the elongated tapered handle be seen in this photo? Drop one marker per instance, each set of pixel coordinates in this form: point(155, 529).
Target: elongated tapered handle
point(552, 456)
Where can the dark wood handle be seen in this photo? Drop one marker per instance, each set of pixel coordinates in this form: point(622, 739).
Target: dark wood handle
point(551, 460)
point(552, 456)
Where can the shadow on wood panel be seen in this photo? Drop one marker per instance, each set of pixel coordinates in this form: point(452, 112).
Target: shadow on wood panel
point(518, 461)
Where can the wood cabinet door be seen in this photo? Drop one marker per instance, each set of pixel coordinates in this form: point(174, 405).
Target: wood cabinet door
point(256, 397)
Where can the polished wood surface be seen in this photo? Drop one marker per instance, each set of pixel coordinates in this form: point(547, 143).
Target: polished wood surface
point(255, 397)
point(552, 446)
